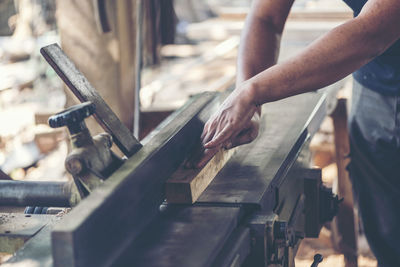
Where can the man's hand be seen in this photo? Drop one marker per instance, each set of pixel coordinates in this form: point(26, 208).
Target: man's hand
point(235, 123)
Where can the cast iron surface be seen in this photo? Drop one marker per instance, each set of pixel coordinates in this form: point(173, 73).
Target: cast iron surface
point(288, 192)
point(84, 91)
point(254, 172)
point(236, 249)
point(183, 236)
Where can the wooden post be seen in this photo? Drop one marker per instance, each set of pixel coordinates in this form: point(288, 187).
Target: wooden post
point(98, 55)
point(108, 59)
point(344, 234)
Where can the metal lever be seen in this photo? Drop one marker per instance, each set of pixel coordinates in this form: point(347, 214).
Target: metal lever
point(91, 160)
point(84, 91)
point(317, 260)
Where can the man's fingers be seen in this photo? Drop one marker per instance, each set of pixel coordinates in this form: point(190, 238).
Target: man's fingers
point(221, 137)
point(247, 135)
point(208, 137)
point(206, 129)
point(207, 155)
point(241, 139)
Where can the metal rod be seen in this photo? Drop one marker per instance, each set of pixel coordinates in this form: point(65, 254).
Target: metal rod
point(138, 66)
point(45, 194)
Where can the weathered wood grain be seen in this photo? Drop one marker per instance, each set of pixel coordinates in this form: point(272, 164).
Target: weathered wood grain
point(260, 167)
point(186, 185)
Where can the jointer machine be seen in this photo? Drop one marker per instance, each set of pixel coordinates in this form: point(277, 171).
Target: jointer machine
point(260, 202)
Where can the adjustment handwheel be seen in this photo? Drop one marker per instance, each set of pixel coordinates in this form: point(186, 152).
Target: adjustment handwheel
point(73, 117)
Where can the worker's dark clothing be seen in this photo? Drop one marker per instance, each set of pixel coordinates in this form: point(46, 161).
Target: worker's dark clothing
point(383, 73)
point(374, 125)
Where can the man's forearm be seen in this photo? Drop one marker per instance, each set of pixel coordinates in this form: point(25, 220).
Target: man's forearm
point(330, 58)
point(260, 40)
point(259, 48)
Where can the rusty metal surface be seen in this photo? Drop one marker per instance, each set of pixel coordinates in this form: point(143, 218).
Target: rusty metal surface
point(17, 228)
point(84, 91)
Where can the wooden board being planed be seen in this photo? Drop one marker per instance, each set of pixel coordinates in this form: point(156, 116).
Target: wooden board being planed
point(186, 185)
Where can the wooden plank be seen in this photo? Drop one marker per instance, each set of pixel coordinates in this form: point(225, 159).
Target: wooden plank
point(186, 185)
point(126, 17)
point(259, 167)
point(343, 225)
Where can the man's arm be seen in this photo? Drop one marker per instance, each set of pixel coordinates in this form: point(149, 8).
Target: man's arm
point(333, 56)
point(260, 38)
point(259, 50)
point(330, 58)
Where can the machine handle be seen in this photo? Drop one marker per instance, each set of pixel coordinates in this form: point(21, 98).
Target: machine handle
point(73, 117)
point(317, 260)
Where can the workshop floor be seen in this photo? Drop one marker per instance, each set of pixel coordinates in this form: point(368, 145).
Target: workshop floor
point(323, 245)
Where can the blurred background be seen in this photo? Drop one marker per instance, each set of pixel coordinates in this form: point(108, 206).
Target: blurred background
point(183, 47)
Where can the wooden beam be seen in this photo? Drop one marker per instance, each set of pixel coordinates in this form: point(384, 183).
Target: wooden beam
point(343, 225)
point(186, 185)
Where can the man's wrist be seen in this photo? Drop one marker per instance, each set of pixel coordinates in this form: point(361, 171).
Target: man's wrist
point(252, 92)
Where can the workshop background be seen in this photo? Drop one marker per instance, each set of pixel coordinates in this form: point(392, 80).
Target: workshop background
point(187, 47)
